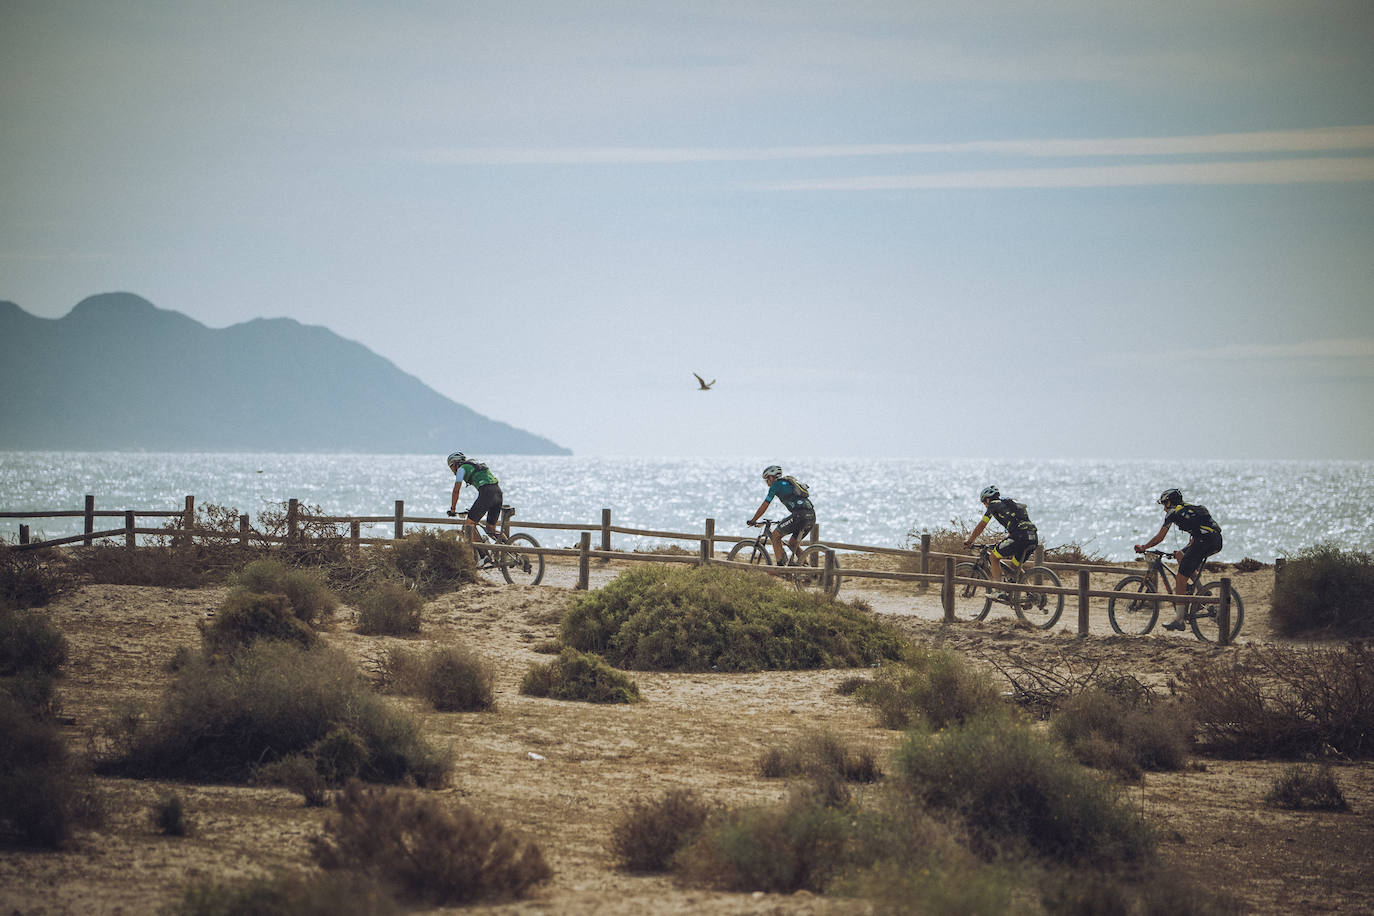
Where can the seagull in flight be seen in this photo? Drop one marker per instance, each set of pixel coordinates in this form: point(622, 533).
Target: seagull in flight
point(704, 385)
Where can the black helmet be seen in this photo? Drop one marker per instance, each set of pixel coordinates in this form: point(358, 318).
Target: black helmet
point(1171, 497)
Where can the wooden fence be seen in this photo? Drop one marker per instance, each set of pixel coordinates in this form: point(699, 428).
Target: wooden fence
point(297, 521)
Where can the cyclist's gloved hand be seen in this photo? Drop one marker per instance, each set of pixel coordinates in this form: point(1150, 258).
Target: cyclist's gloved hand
point(751, 523)
point(452, 513)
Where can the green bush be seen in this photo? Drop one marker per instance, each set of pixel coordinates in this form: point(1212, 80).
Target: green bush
point(1279, 701)
point(1325, 591)
point(821, 755)
point(432, 562)
point(581, 676)
point(246, 617)
point(289, 894)
point(650, 833)
point(428, 849)
point(1309, 788)
point(298, 772)
point(451, 678)
point(30, 643)
point(661, 618)
point(1014, 787)
point(43, 793)
point(219, 721)
point(1107, 730)
point(390, 609)
point(26, 580)
point(929, 687)
point(307, 594)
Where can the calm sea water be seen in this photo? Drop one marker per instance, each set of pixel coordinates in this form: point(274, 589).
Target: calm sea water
point(1266, 508)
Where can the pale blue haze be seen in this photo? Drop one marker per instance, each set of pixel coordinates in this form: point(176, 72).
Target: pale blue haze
point(1267, 508)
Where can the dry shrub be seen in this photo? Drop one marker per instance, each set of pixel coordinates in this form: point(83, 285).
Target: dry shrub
point(169, 816)
point(821, 755)
point(452, 678)
point(389, 609)
point(433, 562)
point(1277, 701)
point(650, 833)
point(289, 894)
point(583, 676)
point(929, 687)
point(1325, 591)
point(305, 591)
point(246, 617)
point(426, 850)
point(1123, 732)
point(27, 579)
point(1307, 788)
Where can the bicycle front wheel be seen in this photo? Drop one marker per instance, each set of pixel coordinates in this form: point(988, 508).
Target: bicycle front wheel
point(522, 568)
point(1206, 618)
point(971, 602)
point(1135, 609)
point(813, 579)
point(751, 552)
point(1039, 609)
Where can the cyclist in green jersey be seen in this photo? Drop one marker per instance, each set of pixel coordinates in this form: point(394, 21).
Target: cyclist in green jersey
point(489, 497)
point(1203, 541)
point(1022, 537)
point(796, 499)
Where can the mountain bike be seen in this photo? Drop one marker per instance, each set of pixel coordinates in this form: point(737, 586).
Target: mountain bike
point(810, 561)
point(515, 568)
point(1134, 614)
point(973, 602)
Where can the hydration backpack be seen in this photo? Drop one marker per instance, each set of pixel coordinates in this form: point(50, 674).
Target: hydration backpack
point(800, 488)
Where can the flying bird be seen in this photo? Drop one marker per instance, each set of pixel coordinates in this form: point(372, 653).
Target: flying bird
point(705, 385)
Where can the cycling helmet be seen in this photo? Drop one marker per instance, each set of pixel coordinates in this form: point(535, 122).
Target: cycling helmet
point(772, 471)
point(989, 493)
point(1171, 497)
point(456, 459)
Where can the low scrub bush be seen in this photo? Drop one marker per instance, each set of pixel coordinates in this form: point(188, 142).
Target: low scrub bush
point(661, 618)
point(1122, 732)
point(581, 676)
point(389, 609)
point(305, 591)
point(932, 688)
point(451, 678)
point(649, 834)
point(27, 580)
point(220, 721)
point(289, 894)
point(1016, 789)
point(1308, 788)
point(1325, 591)
point(431, 562)
point(246, 617)
point(427, 849)
point(821, 756)
point(44, 793)
point(169, 816)
point(1279, 701)
point(30, 643)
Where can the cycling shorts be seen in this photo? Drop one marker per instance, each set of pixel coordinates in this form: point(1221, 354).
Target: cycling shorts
point(488, 502)
point(1016, 550)
point(798, 523)
point(1197, 551)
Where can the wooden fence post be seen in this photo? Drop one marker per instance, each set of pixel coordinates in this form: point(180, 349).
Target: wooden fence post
point(188, 519)
point(829, 575)
point(355, 530)
point(816, 533)
point(1082, 602)
point(705, 556)
point(90, 518)
point(1278, 570)
point(129, 529)
point(925, 562)
point(710, 541)
point(605, 530)
point(23, 534)
point(243, 531)
point(1040, 555)
point(947, 591)
point(1224, 613)
point(584, 546)
point(506, 513)
point(293, 508)
point(400, 519)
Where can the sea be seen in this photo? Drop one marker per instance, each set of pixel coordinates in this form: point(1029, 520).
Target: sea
point(1267, 509)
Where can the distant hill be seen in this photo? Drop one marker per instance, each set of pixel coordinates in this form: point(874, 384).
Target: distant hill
point(119, 373)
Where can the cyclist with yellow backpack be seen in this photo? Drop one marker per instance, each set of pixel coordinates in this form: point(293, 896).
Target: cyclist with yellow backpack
point(796, 496)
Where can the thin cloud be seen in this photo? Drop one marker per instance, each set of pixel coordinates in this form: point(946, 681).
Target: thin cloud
point(1330, 349)
point(1327, 139)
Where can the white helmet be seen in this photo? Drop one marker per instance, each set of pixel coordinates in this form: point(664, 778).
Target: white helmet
point(456, 459)
point(989, 493)
point(772, 471)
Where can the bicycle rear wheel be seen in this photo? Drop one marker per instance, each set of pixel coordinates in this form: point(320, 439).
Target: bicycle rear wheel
point(813, 580)
point(522, 568)
point(1038, 609)
point(752, 552)
point(1135, 610)
point(1206, 618)
point(971, 602)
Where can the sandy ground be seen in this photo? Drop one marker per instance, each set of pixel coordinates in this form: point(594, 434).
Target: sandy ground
point(699, 731)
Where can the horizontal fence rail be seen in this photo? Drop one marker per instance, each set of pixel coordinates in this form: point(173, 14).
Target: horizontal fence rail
point(297, 522)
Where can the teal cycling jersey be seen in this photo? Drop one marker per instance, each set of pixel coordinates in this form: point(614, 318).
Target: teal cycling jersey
point(788, 496)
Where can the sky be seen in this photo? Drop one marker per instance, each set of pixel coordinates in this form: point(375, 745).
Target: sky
point(994, 228)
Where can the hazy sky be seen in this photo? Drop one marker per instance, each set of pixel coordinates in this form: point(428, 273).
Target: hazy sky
point(1002, 228)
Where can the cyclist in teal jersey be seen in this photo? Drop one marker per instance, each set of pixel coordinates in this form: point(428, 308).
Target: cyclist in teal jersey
point(1204, 540)
point(489, 496)
point(798, 503)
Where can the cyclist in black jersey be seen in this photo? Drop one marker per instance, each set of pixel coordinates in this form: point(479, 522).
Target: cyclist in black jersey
point(797, 501)
point(1021, 539)
point(1204, 540)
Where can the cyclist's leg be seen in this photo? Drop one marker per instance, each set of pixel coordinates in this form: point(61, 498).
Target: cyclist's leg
point(1005, 550)
point(795, 526)
point(488, 504)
